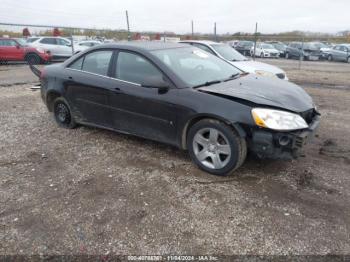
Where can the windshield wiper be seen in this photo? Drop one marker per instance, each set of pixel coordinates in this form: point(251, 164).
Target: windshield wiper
point(234, 76)
point(208, 83)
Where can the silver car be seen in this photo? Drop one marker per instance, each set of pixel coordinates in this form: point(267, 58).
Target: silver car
point(340, 53)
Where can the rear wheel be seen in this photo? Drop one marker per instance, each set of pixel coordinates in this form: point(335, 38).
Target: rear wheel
point(33, 59)
point(63, 114)
point(215, 147)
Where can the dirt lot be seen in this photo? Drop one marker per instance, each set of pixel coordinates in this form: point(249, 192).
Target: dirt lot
point(90, 191)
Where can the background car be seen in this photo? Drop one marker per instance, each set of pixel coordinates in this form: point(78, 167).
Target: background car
point(264, 50)
point(13, 49)
point(60, 48)
point(340, 53)
point(281, 47)
point(241, 62)
point(83, 45)
point(304, 51)
point(244, 47)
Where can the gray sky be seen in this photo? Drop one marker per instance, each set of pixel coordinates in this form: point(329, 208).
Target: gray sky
point(176, 15)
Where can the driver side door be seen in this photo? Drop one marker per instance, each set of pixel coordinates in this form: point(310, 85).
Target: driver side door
point(138, 110)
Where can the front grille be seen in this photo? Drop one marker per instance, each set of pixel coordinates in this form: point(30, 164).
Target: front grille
point(308, 115)
point(281, 75)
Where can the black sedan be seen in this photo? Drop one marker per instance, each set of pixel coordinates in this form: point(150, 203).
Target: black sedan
point(183, 96)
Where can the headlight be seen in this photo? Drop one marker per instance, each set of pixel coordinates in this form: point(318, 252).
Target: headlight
point(40, 50)
point(278, 120)
point(264, 73)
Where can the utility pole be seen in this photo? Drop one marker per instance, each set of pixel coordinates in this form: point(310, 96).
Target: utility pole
point(127, 23)
point(255, 39)
point(215, 37)
point(192, 28)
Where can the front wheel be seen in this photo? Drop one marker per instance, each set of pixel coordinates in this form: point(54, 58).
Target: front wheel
point(215, 147)
point(63, 114)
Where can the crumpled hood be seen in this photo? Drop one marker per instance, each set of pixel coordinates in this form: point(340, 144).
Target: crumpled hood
point(251, 66)
point(264, 91)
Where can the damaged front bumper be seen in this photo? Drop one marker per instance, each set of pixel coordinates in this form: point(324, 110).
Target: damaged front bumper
point(281, 145)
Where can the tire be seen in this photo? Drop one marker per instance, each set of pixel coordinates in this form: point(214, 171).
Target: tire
point(62, 113)
point(33, 59)
point(330, 58)
point(204, 140)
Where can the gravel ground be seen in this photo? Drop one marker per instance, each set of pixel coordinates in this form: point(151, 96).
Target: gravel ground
point(91, 191)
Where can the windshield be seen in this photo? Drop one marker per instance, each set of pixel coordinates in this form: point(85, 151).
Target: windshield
point(320, 45)
point(31, 40)
point(267, 46)
point(279, 46)
point(228, 52)
point(194, 66)
point(312, 46)
point(21, 41)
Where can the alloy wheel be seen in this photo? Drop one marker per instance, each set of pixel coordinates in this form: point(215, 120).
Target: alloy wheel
point(211, 148)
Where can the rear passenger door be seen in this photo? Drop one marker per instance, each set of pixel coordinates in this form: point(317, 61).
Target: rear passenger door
point(87, 87)
point(138, 110)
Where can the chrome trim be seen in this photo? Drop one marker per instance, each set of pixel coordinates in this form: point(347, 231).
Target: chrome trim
point(117, 79)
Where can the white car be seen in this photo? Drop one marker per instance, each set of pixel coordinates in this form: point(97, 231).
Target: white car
point(83, 45)
point(59, 47)
point(265, 50)
point(229, 54)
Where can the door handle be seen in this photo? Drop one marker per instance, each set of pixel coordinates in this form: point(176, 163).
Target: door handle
point(117, 90)
point(70, 78)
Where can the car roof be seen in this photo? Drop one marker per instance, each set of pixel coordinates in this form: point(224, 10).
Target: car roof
point(205, 42)
point(146, 46)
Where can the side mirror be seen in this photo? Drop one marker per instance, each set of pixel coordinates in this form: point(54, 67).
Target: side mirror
point(155, 82)
point(70, 45)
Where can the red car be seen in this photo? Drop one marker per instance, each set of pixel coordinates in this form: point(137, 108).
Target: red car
point(13, 49)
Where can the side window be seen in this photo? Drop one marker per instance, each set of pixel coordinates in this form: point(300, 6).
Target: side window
point(134, 68)
point(48, 41)
point(77, 64)
point(8, 42)
point(97, 62)
point(62, 41)
point(337, 47)
point(203, 47)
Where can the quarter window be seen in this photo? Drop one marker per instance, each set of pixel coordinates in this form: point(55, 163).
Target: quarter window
point(134, 68)
point(97, 62)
